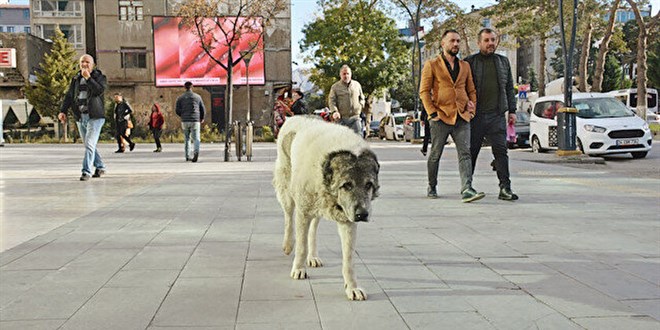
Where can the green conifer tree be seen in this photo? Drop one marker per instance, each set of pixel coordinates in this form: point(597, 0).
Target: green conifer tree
point(533, 81)
point(53, 78)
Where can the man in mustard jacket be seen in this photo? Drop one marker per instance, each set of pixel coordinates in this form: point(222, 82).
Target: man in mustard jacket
point(449, 97)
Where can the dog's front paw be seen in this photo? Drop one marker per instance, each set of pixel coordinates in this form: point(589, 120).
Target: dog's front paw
point(298, 274)
point(287, 247)
point(355, 294)
point(314, 262)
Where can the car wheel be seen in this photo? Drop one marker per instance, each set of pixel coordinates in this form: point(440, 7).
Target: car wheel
point(536, 145)
point(579, 145)
point(639, 154)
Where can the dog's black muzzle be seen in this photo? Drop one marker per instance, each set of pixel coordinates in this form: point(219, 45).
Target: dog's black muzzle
point(362, 217)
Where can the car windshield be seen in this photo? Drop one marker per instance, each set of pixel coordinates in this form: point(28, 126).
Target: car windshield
point(601, 108)
point(399, 119)
point(522, 117)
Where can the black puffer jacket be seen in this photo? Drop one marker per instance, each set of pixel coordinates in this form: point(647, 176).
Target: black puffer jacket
point(507, 96)
point(122, 111)
point(96, 86)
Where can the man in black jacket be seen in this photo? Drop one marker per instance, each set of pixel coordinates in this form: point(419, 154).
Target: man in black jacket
point(122, 115)
point(495, 96)
point(298, 107)
point(85, 99)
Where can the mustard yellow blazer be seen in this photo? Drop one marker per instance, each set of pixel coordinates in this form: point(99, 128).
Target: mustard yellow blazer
point(442, 96)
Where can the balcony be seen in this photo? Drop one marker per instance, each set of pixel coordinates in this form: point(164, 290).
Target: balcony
point(57, 13)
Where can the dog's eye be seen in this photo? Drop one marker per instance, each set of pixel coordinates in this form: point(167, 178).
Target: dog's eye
point(369, 185)
point(347, 186)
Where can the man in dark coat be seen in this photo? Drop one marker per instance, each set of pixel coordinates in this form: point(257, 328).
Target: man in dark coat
point(85, 98)
point(492, 79)
point(122, 116)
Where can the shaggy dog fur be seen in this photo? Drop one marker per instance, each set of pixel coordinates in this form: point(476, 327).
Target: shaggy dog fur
point(323, 170)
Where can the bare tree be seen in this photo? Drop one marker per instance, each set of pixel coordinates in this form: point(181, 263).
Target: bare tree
point(641, 61)
point(597, 83)
point(219, 25)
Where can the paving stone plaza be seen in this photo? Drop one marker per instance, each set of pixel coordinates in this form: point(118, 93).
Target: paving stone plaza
point(160, 244)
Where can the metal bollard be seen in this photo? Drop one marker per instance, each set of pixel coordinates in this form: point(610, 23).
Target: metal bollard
point(566, 132)
point(249, 137)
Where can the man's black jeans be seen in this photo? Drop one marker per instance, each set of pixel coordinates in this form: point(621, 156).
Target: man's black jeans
point(492, 126)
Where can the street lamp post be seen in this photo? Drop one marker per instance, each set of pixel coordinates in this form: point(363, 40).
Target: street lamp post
point(566, 126)
point(247, 56)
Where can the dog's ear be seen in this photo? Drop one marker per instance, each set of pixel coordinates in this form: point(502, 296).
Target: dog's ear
point(369, 160)
point(334, 161)
point(370, 156)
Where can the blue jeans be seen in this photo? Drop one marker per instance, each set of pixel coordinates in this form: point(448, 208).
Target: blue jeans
point(90, 130)
point(460, 133)
point(354, 123)
point(191, 131)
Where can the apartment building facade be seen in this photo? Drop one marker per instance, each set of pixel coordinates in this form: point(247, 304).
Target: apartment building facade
point(14, 18)
point(119, 34)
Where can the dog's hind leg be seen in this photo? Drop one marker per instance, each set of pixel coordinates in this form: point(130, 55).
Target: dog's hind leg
point(313, 259)
point(298, 270)
point(287, 242)
point(347, 233)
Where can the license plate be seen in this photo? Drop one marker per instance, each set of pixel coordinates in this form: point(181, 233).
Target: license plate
point(626, 142)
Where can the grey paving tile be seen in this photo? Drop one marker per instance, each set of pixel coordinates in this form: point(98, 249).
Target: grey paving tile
point(271, 280)
point(14, 283)
point(19, 251)
point(618, 323)
point(571, 298)
point(265, 247)
point(272, 311)
point(50, 256)
point(517, 310)
point(439, 253)
point(516, 266)
point(31, 325)
point(143, 278)
point(650, 307)
point(374, 313)
point(611, 281)
point(173, 236)
point(118, 308)
point(447, 320)
point(202, 302)
point(428, 301)
point(470, 276)
point(279, 326)
point(61, 293)
point(212, 259)
point(127, 240)
point(225, 230)
point(161, 257)
point(227, 327)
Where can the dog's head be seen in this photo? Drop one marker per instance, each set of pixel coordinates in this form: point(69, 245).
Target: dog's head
point(352, 181)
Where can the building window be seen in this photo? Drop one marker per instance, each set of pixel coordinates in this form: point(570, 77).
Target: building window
point(26, 13)
point(10, 29)
point(133, 57)
point(485, 22)
point(62, 8)
point(73, 33)
point(2, 29)
point(26, 29)
point(130, 10)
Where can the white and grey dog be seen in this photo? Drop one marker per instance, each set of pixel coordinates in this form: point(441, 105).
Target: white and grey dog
point(323, 170)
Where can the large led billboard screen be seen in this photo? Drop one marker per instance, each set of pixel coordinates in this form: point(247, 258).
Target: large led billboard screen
point(179, 56)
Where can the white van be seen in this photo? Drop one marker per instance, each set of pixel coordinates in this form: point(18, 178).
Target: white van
point(629, 98)
point(603, 125)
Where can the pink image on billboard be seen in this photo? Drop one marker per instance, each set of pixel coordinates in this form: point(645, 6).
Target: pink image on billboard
point(180, 57)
